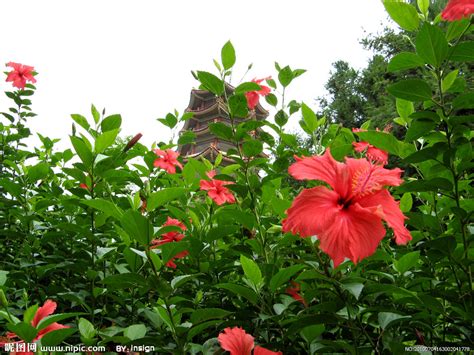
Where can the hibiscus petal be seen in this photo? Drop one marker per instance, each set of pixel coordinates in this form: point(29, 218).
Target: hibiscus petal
point(368, 178)
point(458, 9)
point(390, 213)
point(47, 309)
point(354, 233)
point(262, 351)
point(360, 146)
point(311, 211)
point(264, 91)
point(218, 198)
point(236, 341)
point(377, 155)
point(252, 99)
point(324, 168)
point(15, 66)
point(159, 152)
point(49, 328)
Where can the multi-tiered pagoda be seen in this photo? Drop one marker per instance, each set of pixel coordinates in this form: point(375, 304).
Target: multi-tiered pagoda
point(206, 109)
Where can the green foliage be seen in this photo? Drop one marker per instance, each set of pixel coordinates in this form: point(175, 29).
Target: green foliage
point(89, 227)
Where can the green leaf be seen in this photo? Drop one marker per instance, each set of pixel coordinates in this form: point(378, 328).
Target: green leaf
point(238, 107)
point(406, 202)
point(29, 314)
point(281, 118)
point(354, 288)
point(309, 117)
point(11, 187)
point(448, 80)
point(251, 270)
point(137, 226)
point(381, 140)
point(95, 114)
point(111, 122)
point(25, 331)
point(426, 185)
point(246, 87)
point(181, 280)
point(170, 120)
point(86, 329)
point(385, 318)
point(56, 318)
point(81, 121)
point(240, 290)
point(186, 137)
point(271, 99)
point(431, 45)
point(285, 76)
point(456, 28)
point(170, 250)
point(82, 150)
point(252, 148)
point(204, 314)
point(403, 61)
point(463, 52)
point(164, 316)
point(404, 108)
point(159, 198)
point(422, 155)
point(407, 261)
point(127, 280)
point(411, 90)
point(56, 337)
point(464, 101)
point(309, 334)
point(108, 207)
point(105, 140)
point(230, 214)
point(405, 15)
point(38, 171)
point(423, 5)
point(211, 82)
point(135, 331)
point(3, 277)
point(282, 276)
point(221, 130)
point(228, 55)
point(418, 128)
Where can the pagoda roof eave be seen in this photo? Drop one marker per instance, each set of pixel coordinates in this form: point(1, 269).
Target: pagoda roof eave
point(205, 94)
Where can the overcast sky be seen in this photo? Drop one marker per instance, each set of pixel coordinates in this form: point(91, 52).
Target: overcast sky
point(135, 57)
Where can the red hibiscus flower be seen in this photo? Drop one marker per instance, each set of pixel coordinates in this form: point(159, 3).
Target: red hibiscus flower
point(167, 160)
point(347, 219)
point(169, 237)
point(294, 290)
point(374, 154)
point(253, 96)
point(20, 74)
point(238, 342)
point(457, 10)
point(47, 309)
point(216, 189)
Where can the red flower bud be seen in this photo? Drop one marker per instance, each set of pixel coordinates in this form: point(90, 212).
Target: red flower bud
point(132, 142)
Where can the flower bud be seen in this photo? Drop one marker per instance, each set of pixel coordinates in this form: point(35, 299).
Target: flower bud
point(132, 142)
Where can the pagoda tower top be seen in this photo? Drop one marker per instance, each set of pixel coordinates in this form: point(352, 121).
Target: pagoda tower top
point(208, 108)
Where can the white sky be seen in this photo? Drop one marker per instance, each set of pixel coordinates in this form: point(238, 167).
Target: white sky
point(135, 57)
